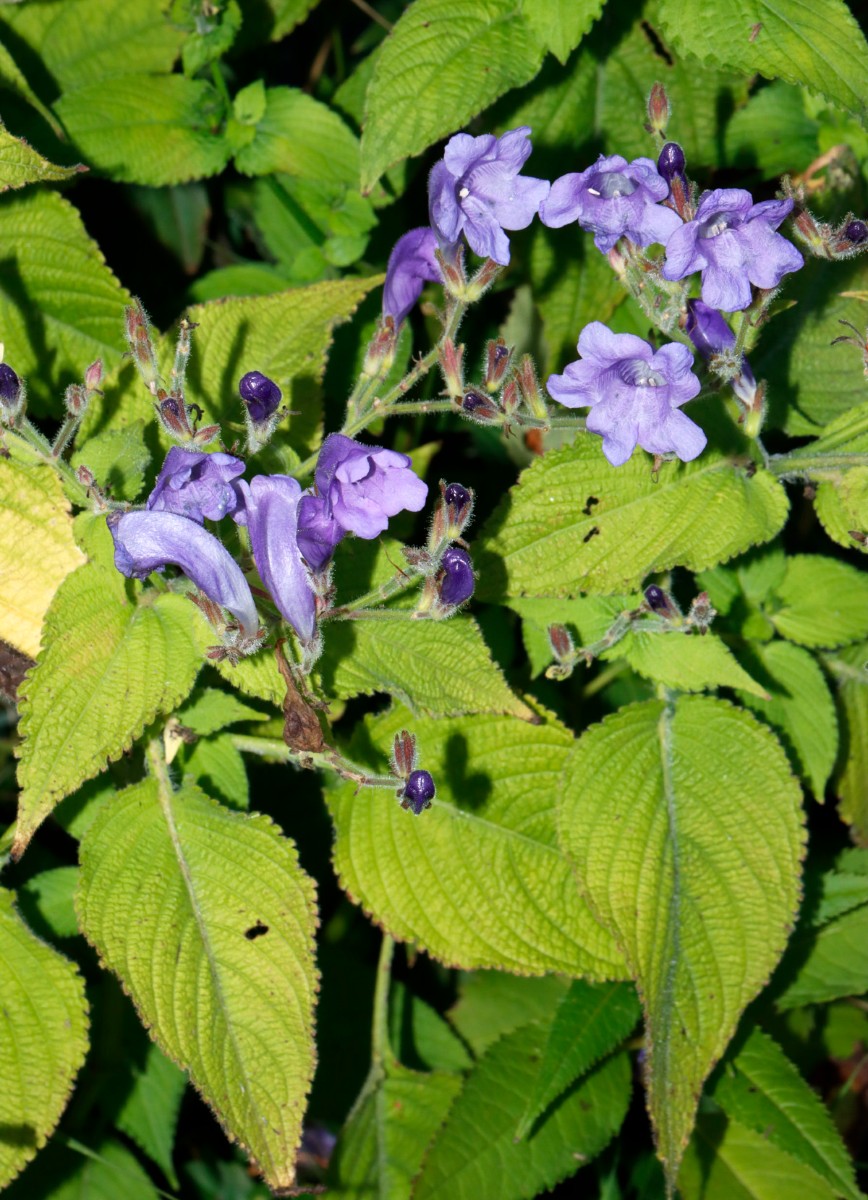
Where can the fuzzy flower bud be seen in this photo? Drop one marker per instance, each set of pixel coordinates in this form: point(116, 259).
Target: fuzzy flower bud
point(11, 395)
point(261, 396)
point(658, 110)
point(457, 580)
point(418, 792)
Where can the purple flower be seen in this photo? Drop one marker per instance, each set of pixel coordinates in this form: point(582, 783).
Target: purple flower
point(457, 581)
point(358, 488)
point(418, 792)
point(261, 396)
point(196, 485)
point(634, 394)
point(732, 241)
point(613, 198)
point(148, 541)
point(10, 386)
point(411, 265)
point(476, 190)
point(711, 335)
point(269, 509)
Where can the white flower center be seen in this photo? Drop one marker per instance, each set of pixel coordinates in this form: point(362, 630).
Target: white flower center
point(464, 193)
point(717, 223)
point(611, 184)
point(639, 373)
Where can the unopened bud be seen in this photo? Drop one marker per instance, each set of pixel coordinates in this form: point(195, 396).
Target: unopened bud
point(525, 377)
point(658, 110)
point(497, 362)
point(138, 331)
point(561, 642)
point(173, 417)
point(76, 398)
point(856, 232)
point(418, 792)
point(261, 396)
point(85, 476)
point(850, 239)
point(482, 280)
point(458, 505)
point(661, 602)
point(671, 161)
point(380, 354)
point(450, 357)
point(11, 395)
point(93, 376)
point(479, 408)
point(456, 580)
point(701, 613)
point(452, 265)
point(510, 400)
point(404, 754)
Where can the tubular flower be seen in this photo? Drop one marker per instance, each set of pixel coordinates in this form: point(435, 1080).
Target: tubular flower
point(411, 265)
point(711, 335)
point(196, 485)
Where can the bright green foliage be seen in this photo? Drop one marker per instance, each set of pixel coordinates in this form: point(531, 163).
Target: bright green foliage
point(835, 965)
point(286, 14)
point(685, 828)
point(43, 1023)
point(842, 494)
point(108, 668)
point(438, 668)
point(300, 136)
point(63, 284)
point(210, 710)
point(215, 764)
point(12, 77)
point(800, 708)
point(843, 506)
point(761, 1089)
point(443, 62)
point(104, 1172)
point(475, 1155)
point(456, 879)
point(208, 920)
point(168, 140)
point(844, 888)
point(381, 1147)
point(727, 1161)
point(418, 1032)
point(848, 670)
point(796, 42)
point(591, 1021)
point(50, 893)
point(256, 676)
point(773, 132)
point(821, 602)
point(20, 164)
point(491, 1004)
point(541, 542)
point(150, 1110)
point(561, 24)
point(118, 459)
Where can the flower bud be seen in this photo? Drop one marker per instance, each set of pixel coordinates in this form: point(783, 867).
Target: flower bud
point(450, 357)
point(561, 643)
point(658, 110)
point(261, 396)
point(661, 602)
point(497, 361)
point(380, 354)
point(479, 408)
point(404, 754)
point(457, 581)
point(418, 792)
point(75, 398)
point(856, 232)
point(173, 418)
point(458, 503)
point(11, 395)
point(671, 161)
point(138, 331)
point(525, 377)
point(702, 613)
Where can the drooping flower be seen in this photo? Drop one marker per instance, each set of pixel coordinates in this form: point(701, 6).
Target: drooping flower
point(411, 265)
point(612, 199)
point(196, 485)
point(358, 489)
point(711, 335)
point(476, 189)
point(457, 581)
point(634, 393)
point(261, 396)
point(149, 541)
point(418, 792)
point(733, 242)
point(269, 509)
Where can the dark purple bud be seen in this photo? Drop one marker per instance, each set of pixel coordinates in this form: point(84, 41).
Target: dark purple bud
point(75, 398)
point(456, 495)
point(479, 407)
point(418, 792)
point(671, 162)
point(261, 395)
point(660, 602)
point(457, 579)
point(10, 386)
point(856, 232)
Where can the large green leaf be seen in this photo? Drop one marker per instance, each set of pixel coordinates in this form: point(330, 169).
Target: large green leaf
point(443, 62)
point(851, 781)
point(117, 458)
point(821, 602)
point(817, 45)
point(149, 1113)
point(20, 164)
point(491, 1003)
point(108, 668)
point(60, 305)
point(152, 129)
point(208, 921)
point(43, 1023)
point(561, 24)
point(478, 879)
point(475, 1155)
point(773, 133)
point(298, 135)
point(104, 1171)
point(575, 523)
point(832, 960)
point(684, 824)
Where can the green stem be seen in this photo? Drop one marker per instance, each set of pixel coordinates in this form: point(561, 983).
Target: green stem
point(330, 760)
point(380, 614)
point(31, 436)
point(381, 1051)
point(64, 436)
point(220, 84)
point(814, 466)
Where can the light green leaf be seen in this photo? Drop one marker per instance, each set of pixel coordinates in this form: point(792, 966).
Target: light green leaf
point(773, 133)
point(685, 827)
point(153, 129)
point(475, 1155)
point(848, 668)
point(108, 668)
point(541, 542)
point(833, 962)
point(50, 894)
point(61, 307)
point(208, 921)
point(592, 1020)
point(209, 710)
point(841, 501)
point(43, 1024)
point(429, 78)
point(118, 459)
point(477, 880)
point(438, 668)
point(301, 136)
point(420, 1037)
point(817, 45)
point(103, 1172)
point(218, 768)
point(256, 676)
point(561, 24)
point(844, 888)
point(12, 77)
point(150, 1111)
point(491, 1004)
point(843, 507)
point(821, 602)
point(762, 1090)
point(800, 707)
point(285, 15)
point(20, 164)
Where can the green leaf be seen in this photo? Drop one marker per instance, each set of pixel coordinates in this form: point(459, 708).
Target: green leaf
point(256, 676)
point(833, 962)
point(491, 1004)
point(476, 880)
point(152, 129)
point(210, 710)
point(443, 62)
point(685, 827)
point(851, 781)
point(43, 1021)
point(50, 894)
point(762, 1090)
point(208, 921)
point(179, 217)
point(773, 133)
point(475, 1155)
point(821, 602)
point(800, 708)
point(301, 136)
point(726, 1161)
point(20, 164)
point(844, 888)
point(818, 46)
point(540, 542)
point(218, 768)
point(591, 1021)
point(12, 77)
point(61, 308)
point(285, 15)
point(118, 459)
point(208, 40)
point(420, 1037)
point(561, 24)
point(843, 506)
point(150, 1111)
point(438, 668)
point(109, 667)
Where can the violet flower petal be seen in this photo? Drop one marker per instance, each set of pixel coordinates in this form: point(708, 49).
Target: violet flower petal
point(196, 485)
point(363, 486)
point(411, 265)
point(318, 532)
